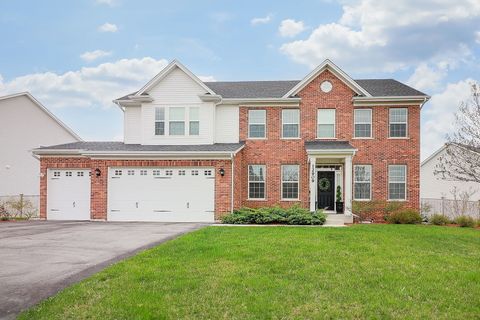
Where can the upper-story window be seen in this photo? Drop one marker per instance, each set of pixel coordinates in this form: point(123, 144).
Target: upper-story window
point(290, 123)
point(398, 122)
point(159, 121)
point(194, 121)
point(176, 122)
point(326, 123)
point(257, 123)
point(363, 123)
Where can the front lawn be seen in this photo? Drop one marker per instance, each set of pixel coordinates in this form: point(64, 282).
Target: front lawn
point(364, 271)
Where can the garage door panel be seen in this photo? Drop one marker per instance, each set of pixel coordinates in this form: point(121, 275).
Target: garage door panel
point(161, 194)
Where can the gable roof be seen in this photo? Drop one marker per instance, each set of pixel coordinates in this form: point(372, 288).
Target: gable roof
point(442, 148)
point(44, 109)
point(252, 89)
point(388, 88)
point(165, 71)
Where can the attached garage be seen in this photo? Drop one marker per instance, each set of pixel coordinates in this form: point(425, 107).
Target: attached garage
point(166, 194)
point(68, 194)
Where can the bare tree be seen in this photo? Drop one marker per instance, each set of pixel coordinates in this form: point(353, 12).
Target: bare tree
point(461, 160)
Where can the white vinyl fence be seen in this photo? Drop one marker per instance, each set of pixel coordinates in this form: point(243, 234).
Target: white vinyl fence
point(451, 208)
point(20, 206)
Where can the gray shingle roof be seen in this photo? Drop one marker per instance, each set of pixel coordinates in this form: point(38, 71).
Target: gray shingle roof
point(277, 89)
point(387, 87)
point(120, 146)
point(328, 145)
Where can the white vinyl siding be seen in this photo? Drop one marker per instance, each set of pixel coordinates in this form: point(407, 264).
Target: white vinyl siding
point(398, 118)
point(133, 125)
point(325, 123)
point(363, 123)
point(362, 178)
point(256, 182)
point(227, 124)
point(397, 182)
point(290, 180)
point(257, 123)
point(290, 123)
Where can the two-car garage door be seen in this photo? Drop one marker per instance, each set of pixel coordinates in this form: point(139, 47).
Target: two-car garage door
point(161, 194)
point(135, 194)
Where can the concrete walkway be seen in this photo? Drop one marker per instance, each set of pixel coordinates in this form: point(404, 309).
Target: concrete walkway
point(39, 258)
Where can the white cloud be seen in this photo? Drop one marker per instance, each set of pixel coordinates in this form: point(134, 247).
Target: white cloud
point(290, 27)
point(385, 35)
point(207, 78)
point(90, 56)
point(108, 27)
point(438, 115)
point(264, 20)
point(426, 77)
point(477, 36)
point(110, 3)
point(88, 87)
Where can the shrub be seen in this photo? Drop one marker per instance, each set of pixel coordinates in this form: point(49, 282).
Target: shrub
point(439, 219)
point(270, 215)
point(407, 216)
point(375, 209)
point(4, 215)
point(465, 221)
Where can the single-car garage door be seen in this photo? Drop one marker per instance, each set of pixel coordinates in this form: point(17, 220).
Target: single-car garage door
point(68, 194)
point(161, 194)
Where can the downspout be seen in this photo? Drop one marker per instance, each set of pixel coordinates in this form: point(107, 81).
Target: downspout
point(231, 191)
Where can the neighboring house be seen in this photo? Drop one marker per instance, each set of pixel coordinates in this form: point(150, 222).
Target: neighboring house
point(435, 187)
point(194, 151)
point(26, 124)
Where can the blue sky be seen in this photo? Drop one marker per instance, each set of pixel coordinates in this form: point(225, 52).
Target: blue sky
point(76, 56)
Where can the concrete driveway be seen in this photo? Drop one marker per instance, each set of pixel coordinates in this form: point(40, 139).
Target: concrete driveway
point(39, 258)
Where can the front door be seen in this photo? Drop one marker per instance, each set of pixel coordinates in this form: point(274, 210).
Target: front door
point(326, 190)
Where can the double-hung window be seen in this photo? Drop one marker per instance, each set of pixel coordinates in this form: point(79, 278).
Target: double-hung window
point(290, 123)
point(160, 121)
point(257, 123)
point(326, 123)
point(363, 123)
point(362, 182)
point(397, 182)
point(290, 177)
point(176, 123)
point(256, 182)
point(194, 121)
point(398, 122)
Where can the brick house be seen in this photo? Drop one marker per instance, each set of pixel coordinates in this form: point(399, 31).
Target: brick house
point(195, 150)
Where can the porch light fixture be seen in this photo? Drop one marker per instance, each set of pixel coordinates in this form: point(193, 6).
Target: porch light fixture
point(98, 172)
point(222, 172)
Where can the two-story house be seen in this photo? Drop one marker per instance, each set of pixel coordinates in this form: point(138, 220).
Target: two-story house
point(195, 150)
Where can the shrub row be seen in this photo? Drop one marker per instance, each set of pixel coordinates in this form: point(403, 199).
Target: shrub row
point(294, 215)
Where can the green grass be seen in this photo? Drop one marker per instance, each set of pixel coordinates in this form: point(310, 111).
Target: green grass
point(374, 272)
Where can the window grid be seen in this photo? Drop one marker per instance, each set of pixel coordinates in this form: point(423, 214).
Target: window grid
point(290, 181)
point(397, 182)
point(325, 123)
point(290, 123)
point(56, 173)
point(159, 121)
point(181, 172)
point(143, 172)
point(131, 172)
point(194, 172)
point(207, 172)
point(398, 119)
point(169, 172)
point(363, 123)
point(362, 182)
point(256, 181)
point(80, 174)
point(156, 172)
point(118, 172)
point(257, 123)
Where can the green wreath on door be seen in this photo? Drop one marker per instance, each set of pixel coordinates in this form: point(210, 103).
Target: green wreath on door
point(324, 184)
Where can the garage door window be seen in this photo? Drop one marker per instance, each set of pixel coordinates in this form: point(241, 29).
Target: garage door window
point(131, 172)
point(181, 172)
point(169, 173)
point(194, 172)
point(79, 174)
point(118, 172)
point(56, 174)
point(208, 172)
point(156, 172)
point(68, 173)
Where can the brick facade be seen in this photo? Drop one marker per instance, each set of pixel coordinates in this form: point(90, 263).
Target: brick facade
point(378, 151)
point(98, 199)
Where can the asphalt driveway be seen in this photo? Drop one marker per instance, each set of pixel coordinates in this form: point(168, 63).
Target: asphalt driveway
point(39, 258)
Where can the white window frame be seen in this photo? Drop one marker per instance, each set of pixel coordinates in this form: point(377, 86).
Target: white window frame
point(282, 182)
point(190, 121)
point(355, 122)
point(160, 121)
point(184, 121)
point(370, 182)
point(264, 182)
point(334, 123)
point(264, 124)
point(390, 123)
point(296, 123)
point(404, 182)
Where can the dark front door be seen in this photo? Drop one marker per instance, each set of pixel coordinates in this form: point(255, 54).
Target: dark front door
point(326, 190)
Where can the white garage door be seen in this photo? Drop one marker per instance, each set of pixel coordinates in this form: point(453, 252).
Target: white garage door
point(68, 194)
point(161, 194)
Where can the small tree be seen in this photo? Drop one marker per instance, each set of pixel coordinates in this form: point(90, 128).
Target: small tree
point(461, 161)
point(339, 194)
